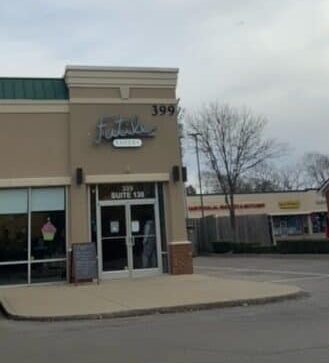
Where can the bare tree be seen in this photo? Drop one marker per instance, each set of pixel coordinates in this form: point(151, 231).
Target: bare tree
point(291, 177)
point(232, 141)
point(210, 183)
point(316, 168)
point(265, 177)
point(190, 190)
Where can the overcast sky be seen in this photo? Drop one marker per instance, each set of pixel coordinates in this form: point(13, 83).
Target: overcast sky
point(269, 55)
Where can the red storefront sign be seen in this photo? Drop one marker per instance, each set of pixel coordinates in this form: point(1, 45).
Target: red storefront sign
point(225, 207)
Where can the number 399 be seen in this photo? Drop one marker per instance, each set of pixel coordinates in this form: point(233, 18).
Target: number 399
point(162, 110)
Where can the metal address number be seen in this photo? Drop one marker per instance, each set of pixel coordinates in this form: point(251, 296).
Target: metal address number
point(162, 110)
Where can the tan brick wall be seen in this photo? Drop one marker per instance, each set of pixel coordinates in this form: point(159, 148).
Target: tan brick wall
point(181, 259)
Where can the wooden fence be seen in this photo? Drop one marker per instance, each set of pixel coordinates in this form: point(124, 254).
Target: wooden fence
point(250, 229)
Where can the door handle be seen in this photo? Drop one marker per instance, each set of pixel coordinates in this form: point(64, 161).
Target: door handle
point(132, 241)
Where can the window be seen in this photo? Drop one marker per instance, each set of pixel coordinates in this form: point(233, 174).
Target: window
point(13, 225)
point(318, 222)
point(32, 235)
point(290, 225)
point(48, 238)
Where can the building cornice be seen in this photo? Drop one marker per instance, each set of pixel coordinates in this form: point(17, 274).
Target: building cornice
point(121, 69)
point(79, 76)
point(133, 101)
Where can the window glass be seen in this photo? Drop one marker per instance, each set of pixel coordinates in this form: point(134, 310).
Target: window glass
point(13, 237)
point(290, 225)
point(318, 222)
point(47, 199)
point(13, 201)
point(48, 230)
point(13, 225)
point(13, 274)
point(48, 235)
point(276, 226)
point(48, 271)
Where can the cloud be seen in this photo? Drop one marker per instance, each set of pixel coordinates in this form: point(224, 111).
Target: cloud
point(272, 56)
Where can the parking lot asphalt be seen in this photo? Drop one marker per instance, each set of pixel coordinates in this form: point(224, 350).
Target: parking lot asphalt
point(289, 331)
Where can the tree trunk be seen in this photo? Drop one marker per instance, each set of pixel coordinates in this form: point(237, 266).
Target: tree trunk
point(233, 219)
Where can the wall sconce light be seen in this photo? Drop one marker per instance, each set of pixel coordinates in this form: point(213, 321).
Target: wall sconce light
point(175, 173)
point(79, 176)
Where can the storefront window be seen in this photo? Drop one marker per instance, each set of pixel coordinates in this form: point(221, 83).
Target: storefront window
point(48, 271)
point(13, 274)
point(47, 223)
point(13, 225)
point(319, 221)
point(290, 225)
point(32, 220)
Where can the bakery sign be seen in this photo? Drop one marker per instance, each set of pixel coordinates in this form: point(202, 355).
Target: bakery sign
point(122, 132)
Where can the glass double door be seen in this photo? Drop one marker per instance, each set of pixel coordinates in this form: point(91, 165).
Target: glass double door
point(129, 239)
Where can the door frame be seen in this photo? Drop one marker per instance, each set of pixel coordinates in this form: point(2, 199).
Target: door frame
point(127, 203)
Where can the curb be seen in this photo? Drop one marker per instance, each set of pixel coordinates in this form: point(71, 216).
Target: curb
point(159, 310)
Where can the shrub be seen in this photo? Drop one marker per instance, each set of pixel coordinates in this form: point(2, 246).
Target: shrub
point(224, 247)
point(284, 247)
point(303, 246)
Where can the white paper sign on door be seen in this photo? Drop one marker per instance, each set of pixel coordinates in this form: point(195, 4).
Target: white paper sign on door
point(114, 226)
point(135, 226)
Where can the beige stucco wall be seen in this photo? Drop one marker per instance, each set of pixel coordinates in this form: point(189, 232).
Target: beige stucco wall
point(96, 92)
point(33, 145)
point(157, 155)
point(109, 92)
point(303, 202)
point(53, 144)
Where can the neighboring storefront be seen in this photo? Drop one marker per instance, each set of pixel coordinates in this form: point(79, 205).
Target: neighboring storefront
point(292, 214)
point(324, 191)
point(93, 156)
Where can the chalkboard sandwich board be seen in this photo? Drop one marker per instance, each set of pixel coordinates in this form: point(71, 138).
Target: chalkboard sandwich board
point(84, 262)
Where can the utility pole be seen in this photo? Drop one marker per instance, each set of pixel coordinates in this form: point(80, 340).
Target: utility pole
point(196, 135)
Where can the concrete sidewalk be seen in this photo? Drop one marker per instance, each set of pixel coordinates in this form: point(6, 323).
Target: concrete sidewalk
point(129, 297)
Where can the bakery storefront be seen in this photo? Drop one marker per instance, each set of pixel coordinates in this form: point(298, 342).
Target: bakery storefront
point(91, 157)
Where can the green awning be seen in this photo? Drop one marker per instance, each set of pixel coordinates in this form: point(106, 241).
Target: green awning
point(33, 89)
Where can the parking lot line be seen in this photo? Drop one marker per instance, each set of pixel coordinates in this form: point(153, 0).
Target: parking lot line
point(261, 271)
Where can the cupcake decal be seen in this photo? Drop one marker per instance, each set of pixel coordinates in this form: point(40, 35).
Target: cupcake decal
point(48, 231)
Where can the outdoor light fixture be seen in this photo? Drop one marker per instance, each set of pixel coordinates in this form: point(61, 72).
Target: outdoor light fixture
point(79, 176)
point(175, 173)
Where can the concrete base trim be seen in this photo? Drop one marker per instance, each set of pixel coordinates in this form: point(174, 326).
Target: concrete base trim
point(158, 310)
